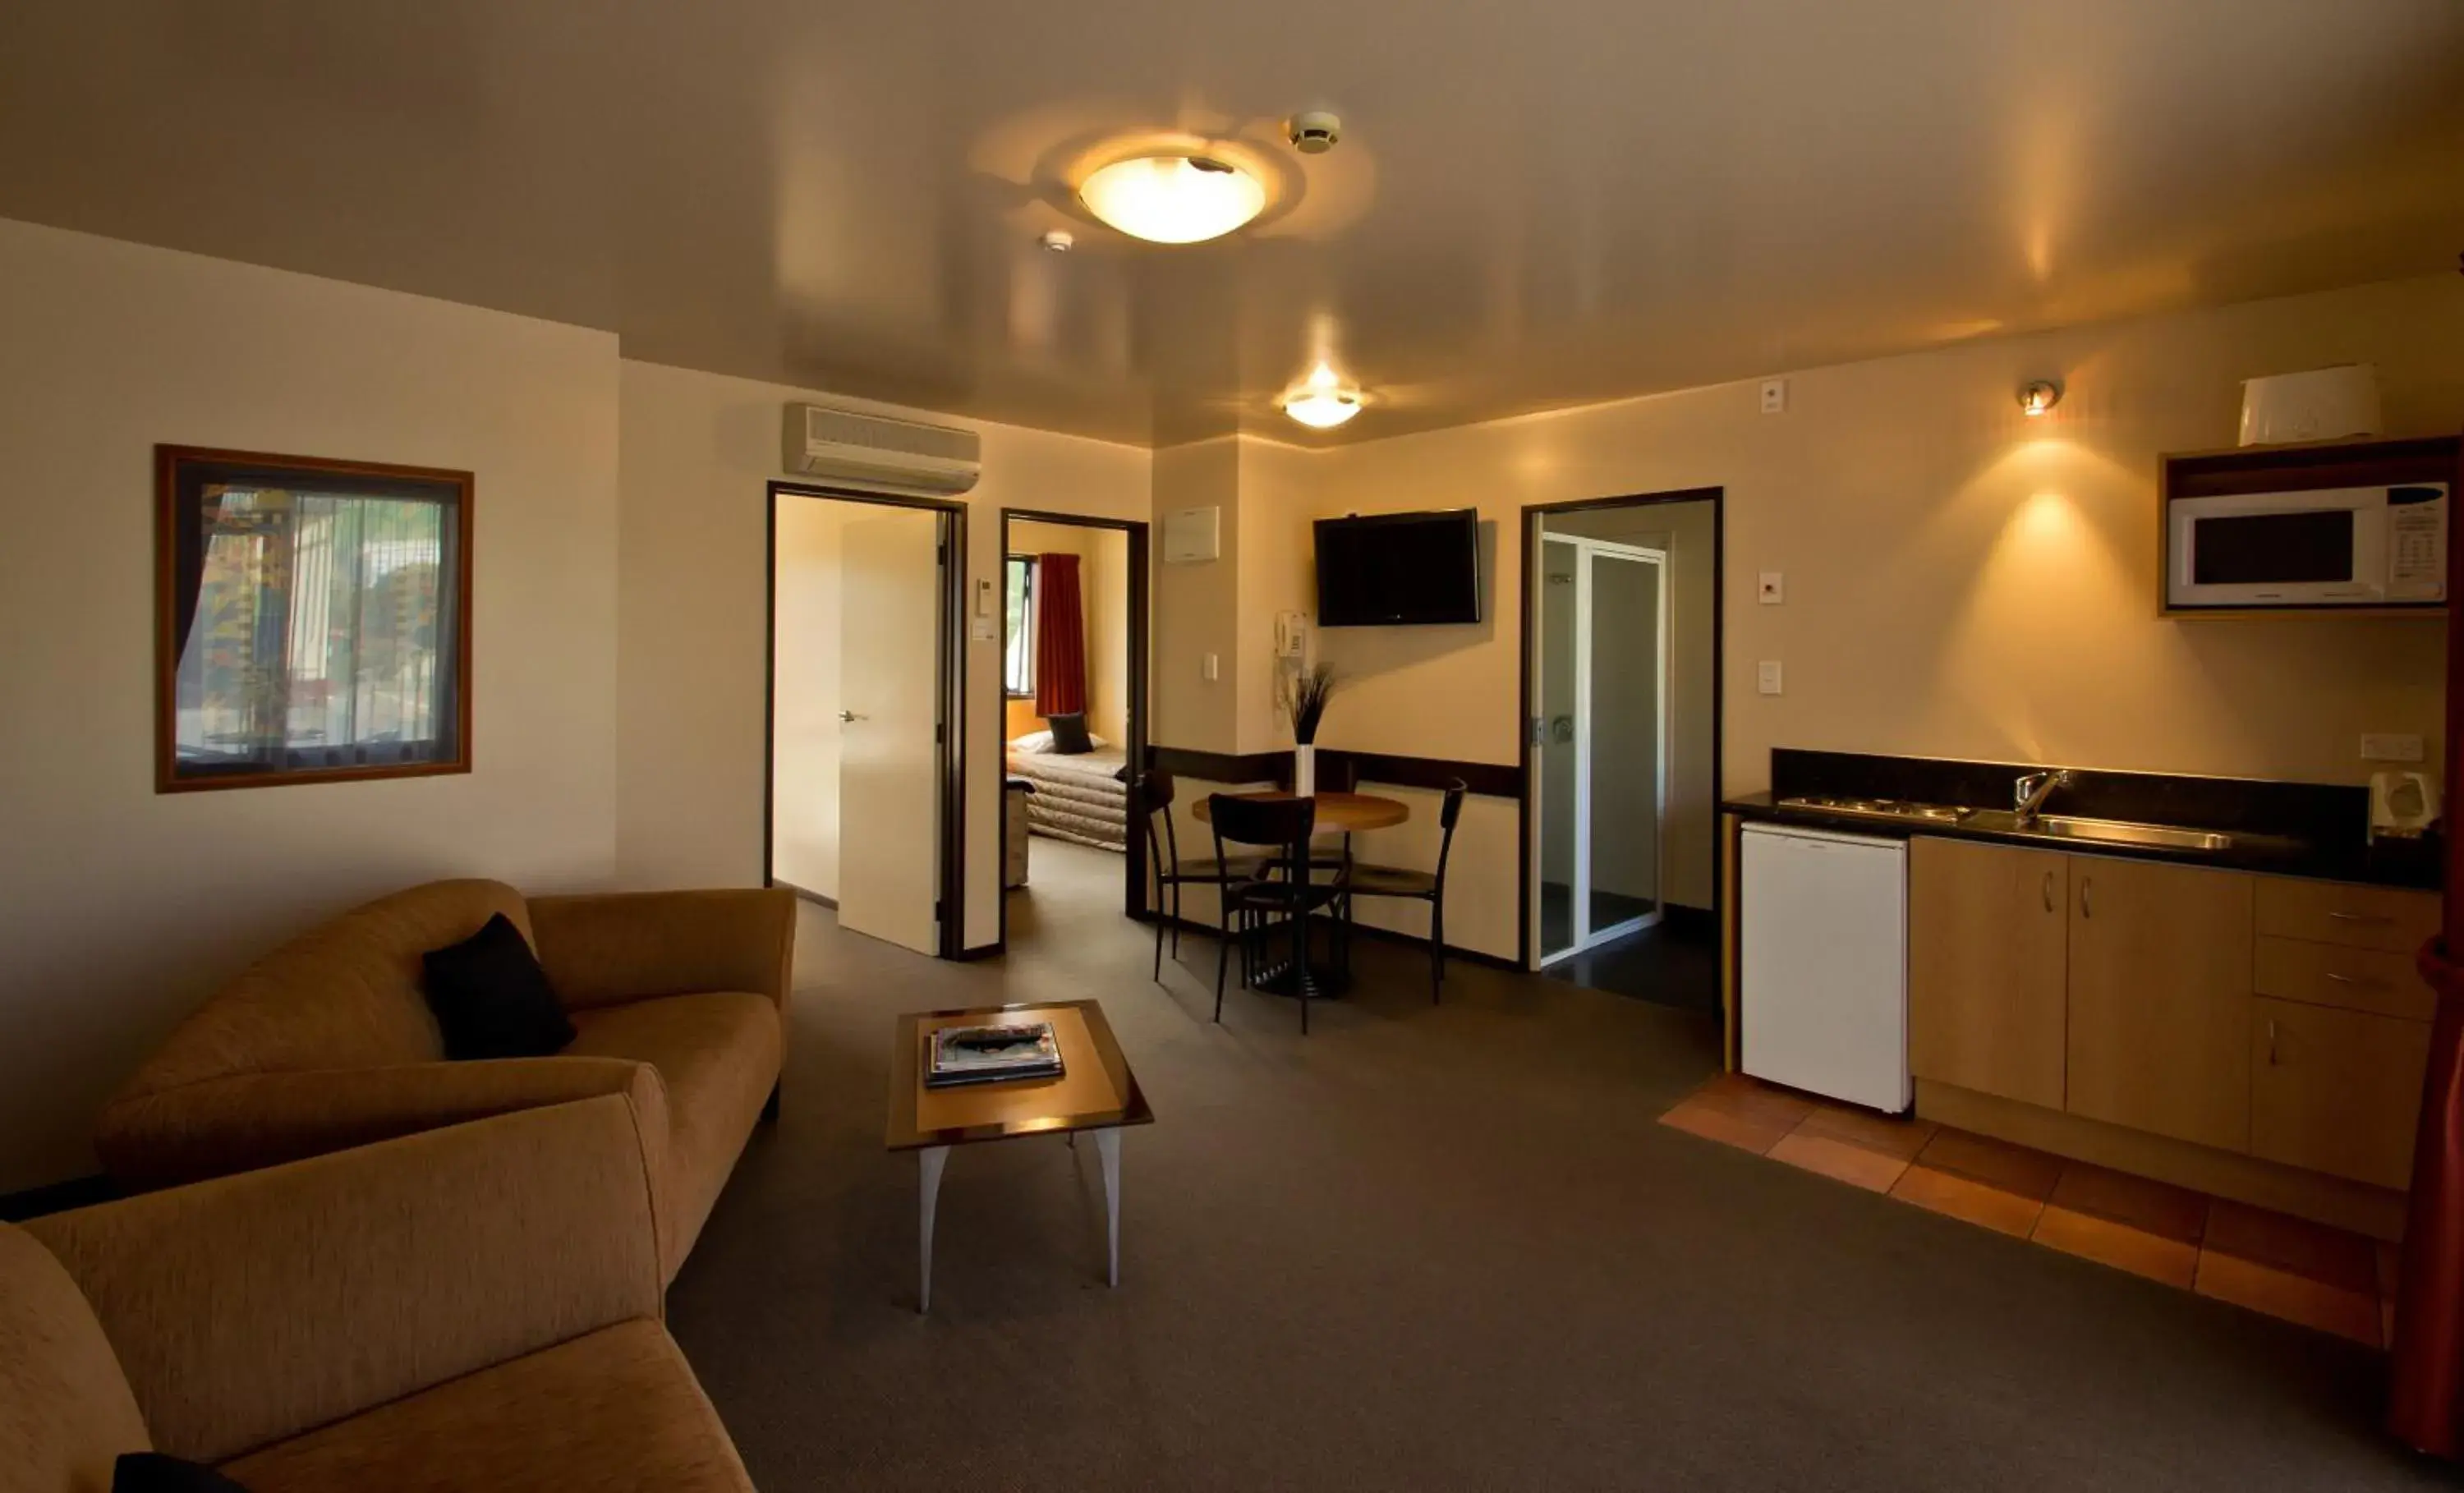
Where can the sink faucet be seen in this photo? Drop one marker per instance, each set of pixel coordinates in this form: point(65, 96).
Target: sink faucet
point(2030, 793)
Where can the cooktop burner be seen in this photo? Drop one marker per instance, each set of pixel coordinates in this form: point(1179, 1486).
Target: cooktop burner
point(1877, 808)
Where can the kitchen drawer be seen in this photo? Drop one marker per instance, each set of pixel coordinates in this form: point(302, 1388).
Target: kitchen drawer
point(2332, 975)
point(2340, 912)
point(2336, 1091)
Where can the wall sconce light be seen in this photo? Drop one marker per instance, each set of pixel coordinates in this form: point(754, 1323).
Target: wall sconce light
point(2039, 396)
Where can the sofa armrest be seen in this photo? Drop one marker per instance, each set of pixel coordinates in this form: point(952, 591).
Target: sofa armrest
point(610, 949)
point(254, 1120)
point(250, 1309)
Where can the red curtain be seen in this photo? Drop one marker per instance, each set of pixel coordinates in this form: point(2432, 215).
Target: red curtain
point(1059, 637)
point(2425, 1386)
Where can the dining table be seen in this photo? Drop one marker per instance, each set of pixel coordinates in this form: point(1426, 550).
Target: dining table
point(1336, 812)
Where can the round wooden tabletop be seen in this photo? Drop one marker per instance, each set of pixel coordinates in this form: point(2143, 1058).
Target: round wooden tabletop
point(1346, 812)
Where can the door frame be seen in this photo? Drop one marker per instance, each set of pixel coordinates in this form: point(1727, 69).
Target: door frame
point(1134, 902)
point(949, 901)
point(1588, 551)
point(1534, 513)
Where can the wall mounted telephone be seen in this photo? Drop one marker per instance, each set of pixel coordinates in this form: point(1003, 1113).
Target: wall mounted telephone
point(1292, 635)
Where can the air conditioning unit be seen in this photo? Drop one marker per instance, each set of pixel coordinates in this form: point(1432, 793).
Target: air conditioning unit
point(844, 447)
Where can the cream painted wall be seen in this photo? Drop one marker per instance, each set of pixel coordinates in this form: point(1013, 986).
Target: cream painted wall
point(121, 910)
point(1103, 596)
point(697, 453)
point(1196, 604)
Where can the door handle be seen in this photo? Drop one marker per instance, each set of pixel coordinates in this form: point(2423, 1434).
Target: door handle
point(2085, 909)
point(2049, 892)
point(850, 715)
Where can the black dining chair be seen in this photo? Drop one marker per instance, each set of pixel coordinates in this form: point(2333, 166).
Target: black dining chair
point(1280, 896)
point(1430, 887)
point(1154, 796)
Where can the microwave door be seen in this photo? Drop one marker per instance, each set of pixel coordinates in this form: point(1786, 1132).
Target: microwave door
point(2276, 557)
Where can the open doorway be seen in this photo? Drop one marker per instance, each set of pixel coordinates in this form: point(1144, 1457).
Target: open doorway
point(1622, 755)
point(1074, 702)
point(862, 808)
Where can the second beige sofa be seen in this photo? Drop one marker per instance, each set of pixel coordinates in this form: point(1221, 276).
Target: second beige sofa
point(679, 1000)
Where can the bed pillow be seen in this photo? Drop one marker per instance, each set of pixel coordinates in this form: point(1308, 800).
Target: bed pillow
point(1039, 743)
point(1069, 736)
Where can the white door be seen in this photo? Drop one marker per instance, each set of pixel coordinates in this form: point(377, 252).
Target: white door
point(889, 799)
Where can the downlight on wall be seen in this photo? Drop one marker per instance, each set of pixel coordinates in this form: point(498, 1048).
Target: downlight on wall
point(1174, 198)
point(2038, 397)
point(1323, 401)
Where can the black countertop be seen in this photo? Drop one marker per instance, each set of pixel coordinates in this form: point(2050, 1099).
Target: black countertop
point(2281, 829)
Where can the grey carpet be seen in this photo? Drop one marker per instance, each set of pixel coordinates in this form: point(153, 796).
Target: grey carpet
point(1425, 1248)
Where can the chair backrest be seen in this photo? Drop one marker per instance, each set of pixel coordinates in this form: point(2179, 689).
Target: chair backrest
point(1285, 823)
point(1447, 815)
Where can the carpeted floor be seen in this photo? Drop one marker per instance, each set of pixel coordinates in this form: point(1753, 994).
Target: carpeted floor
point(1425, 1248)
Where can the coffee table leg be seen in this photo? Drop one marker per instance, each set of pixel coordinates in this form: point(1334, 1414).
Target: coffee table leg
point(1107, 1143)
point(928, 1163)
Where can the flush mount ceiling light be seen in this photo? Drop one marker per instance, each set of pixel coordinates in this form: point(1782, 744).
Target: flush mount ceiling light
point(2043, 395)
point(1324, 401)
point(1174, 199)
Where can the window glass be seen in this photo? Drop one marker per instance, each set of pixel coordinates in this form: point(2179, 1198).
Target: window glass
point(1018, 665)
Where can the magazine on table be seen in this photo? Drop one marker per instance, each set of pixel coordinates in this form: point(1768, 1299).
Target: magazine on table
point(992, 1054)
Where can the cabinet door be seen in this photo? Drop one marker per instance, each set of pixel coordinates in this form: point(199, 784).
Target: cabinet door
point(1988, 960)
point(2159, 996)
point(2336, 1090)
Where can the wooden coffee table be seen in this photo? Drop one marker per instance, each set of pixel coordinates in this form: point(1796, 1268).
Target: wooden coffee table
point(1095, 1091)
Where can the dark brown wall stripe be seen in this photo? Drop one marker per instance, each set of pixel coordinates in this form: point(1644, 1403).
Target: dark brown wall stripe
point(1491, 780)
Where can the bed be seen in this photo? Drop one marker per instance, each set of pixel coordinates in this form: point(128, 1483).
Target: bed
point(1081, 797)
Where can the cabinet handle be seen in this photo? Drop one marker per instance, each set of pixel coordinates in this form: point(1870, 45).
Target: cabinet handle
point(2360, 917)
point(2365, 982)
point(2271, 1043)
point(2049, 892)
point(2085, 911)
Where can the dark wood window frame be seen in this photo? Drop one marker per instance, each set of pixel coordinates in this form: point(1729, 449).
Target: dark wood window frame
point(178, 472)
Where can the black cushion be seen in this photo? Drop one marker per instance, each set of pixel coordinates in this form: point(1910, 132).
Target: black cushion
point(152, 1472)
point(1070, 735)
point(491, 998)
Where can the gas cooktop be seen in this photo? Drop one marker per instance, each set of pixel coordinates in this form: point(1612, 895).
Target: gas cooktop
point(1877, 808)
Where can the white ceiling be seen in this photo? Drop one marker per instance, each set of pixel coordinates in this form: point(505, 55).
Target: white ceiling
point(1535, 203)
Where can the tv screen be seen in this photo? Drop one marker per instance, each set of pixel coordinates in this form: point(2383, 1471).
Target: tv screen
point(1398, 569)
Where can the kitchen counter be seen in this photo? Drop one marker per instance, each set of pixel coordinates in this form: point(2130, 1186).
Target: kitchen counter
point(2277, 828)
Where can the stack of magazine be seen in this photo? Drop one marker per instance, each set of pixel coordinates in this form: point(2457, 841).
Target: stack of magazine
point(992, 1054)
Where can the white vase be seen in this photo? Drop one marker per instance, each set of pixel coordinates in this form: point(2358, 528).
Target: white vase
point(1304, 770)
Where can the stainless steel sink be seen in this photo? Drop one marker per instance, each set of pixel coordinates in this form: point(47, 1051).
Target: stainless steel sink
point(2118, 831)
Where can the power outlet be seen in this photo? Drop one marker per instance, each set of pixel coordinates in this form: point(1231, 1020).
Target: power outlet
point(1766, 676)
point(2390, 748)
point(1774, 396)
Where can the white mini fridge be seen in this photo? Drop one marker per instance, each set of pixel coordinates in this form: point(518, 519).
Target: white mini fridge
point(1824, 958)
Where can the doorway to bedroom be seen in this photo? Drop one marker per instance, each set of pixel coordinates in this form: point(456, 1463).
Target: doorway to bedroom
point(1075, 701)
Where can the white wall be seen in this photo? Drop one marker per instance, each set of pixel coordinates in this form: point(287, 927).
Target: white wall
point(119, 908)
point(698, 451)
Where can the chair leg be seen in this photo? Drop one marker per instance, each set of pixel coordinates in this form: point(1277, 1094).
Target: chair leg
point(1437, 952)
point(1159, 958)
point(1222, 960)
point(1176, 920)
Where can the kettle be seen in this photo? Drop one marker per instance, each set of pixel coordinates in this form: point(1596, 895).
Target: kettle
point(2403, 804)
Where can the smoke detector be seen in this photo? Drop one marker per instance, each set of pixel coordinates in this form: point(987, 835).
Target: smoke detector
point(1315, 132)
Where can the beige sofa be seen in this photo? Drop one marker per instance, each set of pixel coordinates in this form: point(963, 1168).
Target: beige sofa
point(679, 1000)
point(473, 1307)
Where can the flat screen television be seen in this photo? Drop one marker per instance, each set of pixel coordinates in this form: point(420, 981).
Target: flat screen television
point(1398, 569)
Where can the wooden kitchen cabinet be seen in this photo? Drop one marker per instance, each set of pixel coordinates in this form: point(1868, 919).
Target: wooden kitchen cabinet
point(2336, 1090)
point(2160, 998)
point(1989, 968)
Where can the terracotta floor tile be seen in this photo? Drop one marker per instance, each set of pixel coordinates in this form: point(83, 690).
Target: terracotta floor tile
point(2293, 1298)
point(1867, 1131)
point(1738, 1095)
point(1999, 1164)
point(1713, 1123)
point(2153, 1207)
point(2156, 1256)
point(1967, 1200)
point(1842, 1161)
point(2280, 1241)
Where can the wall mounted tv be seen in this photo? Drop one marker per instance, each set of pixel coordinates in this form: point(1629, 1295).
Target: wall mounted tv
point(1398, 569)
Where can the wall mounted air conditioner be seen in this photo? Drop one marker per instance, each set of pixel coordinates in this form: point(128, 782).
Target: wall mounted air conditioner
point(844, 447)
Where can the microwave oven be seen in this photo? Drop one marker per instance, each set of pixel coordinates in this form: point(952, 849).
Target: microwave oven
point(2366, 546)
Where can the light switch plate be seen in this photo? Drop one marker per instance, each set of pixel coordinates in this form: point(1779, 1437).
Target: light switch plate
point(2390, 748)
point(1774, 588)
point(1208, 669)
point(1774, 396)
point(982, 631)
point(1766, 676)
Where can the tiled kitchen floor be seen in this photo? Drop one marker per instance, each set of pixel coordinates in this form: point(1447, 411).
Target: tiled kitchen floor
point(2271, 1262)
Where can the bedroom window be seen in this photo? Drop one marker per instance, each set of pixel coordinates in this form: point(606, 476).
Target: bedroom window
point(1018, 590)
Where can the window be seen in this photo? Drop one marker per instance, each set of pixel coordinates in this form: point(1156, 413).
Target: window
point(314, 620)
point(1018, 590)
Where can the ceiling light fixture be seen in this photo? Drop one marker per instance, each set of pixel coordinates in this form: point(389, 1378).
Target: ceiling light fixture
point(1057, 241)
point(2039, 396)
point(1323, 401)
point(1174, 199)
